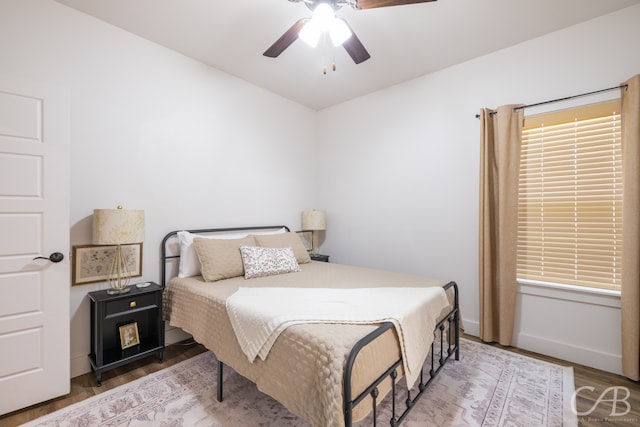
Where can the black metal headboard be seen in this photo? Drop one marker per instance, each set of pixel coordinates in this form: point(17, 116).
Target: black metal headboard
point(176, 256)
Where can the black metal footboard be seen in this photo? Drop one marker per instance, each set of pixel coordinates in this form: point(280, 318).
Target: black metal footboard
point(450, 323)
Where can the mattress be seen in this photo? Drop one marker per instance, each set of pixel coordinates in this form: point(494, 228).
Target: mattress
point(304, 369)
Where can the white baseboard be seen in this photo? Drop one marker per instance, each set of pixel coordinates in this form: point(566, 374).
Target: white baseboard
point(584, 356)
point(80, 365)
point(471, 327)
point(571, 353)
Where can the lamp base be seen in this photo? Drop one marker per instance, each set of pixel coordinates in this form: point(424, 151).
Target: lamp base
point(315, 247)
point(119, 275)
point(118, 291)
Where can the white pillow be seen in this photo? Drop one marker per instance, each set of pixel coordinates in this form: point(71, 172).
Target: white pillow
point(189, 263)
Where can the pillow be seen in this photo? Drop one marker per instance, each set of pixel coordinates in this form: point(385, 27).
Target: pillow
point(260, 261)
point(285, 240)
point(220, 258)
point(189, 264)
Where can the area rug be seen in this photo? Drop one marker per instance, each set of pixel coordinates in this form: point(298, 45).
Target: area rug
point(487, 387)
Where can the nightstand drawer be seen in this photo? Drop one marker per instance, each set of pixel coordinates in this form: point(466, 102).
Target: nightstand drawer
point(134, 302)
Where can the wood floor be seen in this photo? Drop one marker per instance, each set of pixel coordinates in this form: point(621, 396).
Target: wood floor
point(597, 407)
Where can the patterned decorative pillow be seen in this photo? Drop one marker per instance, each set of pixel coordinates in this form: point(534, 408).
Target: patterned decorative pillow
point(260, 261)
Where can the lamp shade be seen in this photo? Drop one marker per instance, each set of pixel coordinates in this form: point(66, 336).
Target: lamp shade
point(117, 226)
point(314, 220)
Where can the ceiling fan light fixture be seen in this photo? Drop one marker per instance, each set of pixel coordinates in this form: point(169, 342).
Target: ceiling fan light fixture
point(310, 33)
point(324, 17)
point(340, 32)
point(309, 30)
point(322, 21)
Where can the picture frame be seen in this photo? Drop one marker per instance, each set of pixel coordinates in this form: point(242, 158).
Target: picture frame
point(129, 336)
point(307, 239)
point(90, 263)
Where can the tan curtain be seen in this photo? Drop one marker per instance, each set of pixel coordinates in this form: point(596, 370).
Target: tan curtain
point(501, 135)
point(630, 294)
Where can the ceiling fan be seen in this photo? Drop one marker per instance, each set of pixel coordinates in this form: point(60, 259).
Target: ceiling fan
point(309, 29)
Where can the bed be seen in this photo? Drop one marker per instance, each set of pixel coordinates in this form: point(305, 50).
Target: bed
point(330, 374)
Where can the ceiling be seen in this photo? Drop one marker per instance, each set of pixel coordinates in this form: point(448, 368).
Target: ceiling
point(404, 41)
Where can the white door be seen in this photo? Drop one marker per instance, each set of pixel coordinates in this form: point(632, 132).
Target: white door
point(34, 221)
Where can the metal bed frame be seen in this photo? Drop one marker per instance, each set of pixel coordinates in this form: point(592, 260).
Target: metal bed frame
point(449, 323)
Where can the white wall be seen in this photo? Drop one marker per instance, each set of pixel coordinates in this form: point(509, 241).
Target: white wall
point(154, 130)
point(397, 169)
point(399, 175)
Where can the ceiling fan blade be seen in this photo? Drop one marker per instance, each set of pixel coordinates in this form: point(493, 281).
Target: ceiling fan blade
point(355, 48)
point(372, 4)
point(286, 39)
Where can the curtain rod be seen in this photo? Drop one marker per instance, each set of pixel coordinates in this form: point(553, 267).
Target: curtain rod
point(563, 99)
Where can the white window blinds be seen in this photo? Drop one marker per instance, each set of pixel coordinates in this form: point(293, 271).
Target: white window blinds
point(570, 197)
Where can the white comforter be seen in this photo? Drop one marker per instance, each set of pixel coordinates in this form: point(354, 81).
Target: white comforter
point(259, 315)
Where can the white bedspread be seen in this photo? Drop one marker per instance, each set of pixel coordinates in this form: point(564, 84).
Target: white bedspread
point(259, 315)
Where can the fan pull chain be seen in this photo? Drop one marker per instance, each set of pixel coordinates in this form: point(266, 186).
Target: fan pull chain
point(333, 66)
point(324, 69)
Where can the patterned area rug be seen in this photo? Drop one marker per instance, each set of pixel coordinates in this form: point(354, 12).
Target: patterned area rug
point(487, 387)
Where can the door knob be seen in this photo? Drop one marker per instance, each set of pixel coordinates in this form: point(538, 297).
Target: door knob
point(54, 257)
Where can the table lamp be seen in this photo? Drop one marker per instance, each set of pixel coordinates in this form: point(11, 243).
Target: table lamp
point(314, 221)
point(118, 227)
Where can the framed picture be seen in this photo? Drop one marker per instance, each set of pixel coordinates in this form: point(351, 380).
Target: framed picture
point(307, 238)
point(129, 335)
point(90, 263)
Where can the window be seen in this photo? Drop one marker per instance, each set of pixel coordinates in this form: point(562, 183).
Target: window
point(570, 197)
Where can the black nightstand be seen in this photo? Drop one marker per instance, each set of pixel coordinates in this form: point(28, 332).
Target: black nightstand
point(139, 308)
point(320, 257)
